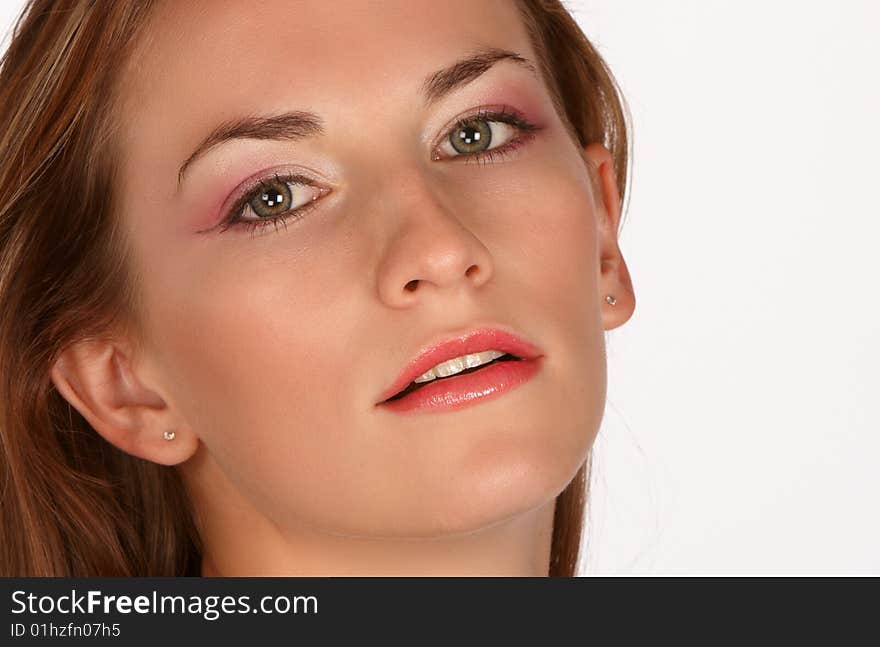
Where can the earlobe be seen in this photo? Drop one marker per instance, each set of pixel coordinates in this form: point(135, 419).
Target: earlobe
point(615, 287)
point(97, 379)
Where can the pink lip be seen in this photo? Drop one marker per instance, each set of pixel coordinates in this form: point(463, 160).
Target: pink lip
point(462, 389)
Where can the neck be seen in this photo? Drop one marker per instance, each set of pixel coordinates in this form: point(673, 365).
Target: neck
point(517, 547)
point(238, 541)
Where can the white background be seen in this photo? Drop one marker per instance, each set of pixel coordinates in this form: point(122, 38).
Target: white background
point(742, 433)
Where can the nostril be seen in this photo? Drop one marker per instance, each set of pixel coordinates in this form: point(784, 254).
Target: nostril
point(412, 285)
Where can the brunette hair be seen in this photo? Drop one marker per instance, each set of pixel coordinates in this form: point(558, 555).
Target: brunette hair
point(72, 504)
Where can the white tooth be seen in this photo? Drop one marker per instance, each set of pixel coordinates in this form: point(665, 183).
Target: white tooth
point(475, 359)
point(458, 364)
point(450, 367)
point(426, 377)
point(478, 359)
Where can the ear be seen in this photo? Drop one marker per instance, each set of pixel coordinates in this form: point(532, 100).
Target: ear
point(613, 275)
point(98, 379)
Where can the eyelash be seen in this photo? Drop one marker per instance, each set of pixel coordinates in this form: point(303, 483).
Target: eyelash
point(526, 131)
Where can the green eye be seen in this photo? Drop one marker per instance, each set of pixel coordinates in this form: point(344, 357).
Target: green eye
point(487, 135)
point(274, 199)
point(471, 137)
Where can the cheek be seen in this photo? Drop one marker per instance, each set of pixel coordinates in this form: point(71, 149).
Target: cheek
point(254, 351)
point(546, 235)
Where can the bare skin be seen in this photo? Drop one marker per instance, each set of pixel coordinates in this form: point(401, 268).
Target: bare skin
point(266, 354)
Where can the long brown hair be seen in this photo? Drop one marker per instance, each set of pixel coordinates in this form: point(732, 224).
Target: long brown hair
point(72, 504)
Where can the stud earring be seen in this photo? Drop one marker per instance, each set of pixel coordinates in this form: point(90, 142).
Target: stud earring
point(610, 299)
point(168, 435)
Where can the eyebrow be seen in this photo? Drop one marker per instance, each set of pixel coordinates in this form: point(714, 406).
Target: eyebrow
point(299, 124)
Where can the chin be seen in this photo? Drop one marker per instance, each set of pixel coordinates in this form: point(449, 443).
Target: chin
point(479, 502)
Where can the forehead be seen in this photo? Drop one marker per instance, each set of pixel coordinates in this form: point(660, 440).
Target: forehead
point(198, 61)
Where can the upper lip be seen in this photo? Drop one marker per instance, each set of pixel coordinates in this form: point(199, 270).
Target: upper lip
point(473, 341)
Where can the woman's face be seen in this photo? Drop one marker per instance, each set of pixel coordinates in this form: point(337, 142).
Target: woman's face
point(274, 345)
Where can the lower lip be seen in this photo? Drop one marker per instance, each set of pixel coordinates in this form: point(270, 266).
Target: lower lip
point(460, 391)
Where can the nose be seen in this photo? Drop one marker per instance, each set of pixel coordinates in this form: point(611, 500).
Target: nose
point(431, 250)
